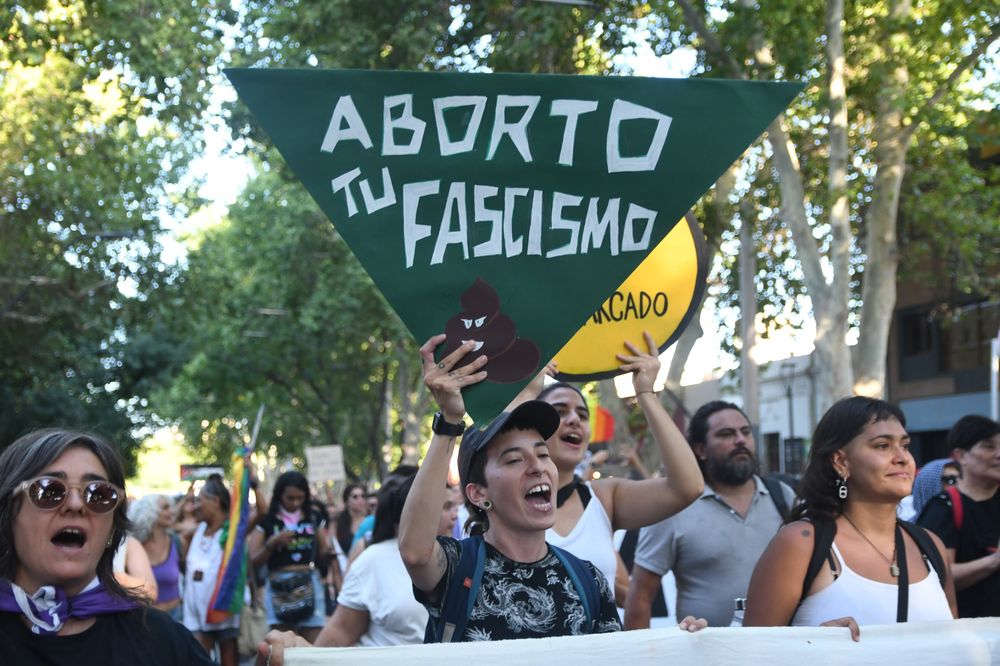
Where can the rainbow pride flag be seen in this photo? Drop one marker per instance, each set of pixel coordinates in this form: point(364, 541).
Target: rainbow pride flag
point(602, 425)
point(227, 599)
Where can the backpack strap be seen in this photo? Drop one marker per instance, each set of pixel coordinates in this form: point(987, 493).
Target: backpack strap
point(777, 492)
point(583, 582)
point(176, 541)
point(824, 531)
point(957, 509)
point(903, 580)
point(461, 595)
point(932, 556)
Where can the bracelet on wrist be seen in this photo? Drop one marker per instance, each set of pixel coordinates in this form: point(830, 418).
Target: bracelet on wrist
point(638, 393)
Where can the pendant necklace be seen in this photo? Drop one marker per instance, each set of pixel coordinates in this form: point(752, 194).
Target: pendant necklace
point(893, 567)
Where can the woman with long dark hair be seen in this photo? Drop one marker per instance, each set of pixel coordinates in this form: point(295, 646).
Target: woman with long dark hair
point(859, 468)
point(204, 558)
point(291, 540)
point(355, 510)
point(589, 512)
point(376, 606)
point(62, 516)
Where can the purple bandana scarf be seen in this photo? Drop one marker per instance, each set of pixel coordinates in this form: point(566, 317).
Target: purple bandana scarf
point(48, 608)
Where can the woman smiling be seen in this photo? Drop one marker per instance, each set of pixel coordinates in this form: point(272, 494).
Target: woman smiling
point(879, 569)
point(62, 515)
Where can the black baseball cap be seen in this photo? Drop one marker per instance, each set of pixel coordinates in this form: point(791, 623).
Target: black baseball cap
point(531, 415)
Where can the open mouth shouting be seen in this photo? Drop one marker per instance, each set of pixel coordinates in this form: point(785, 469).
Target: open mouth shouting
point(573, 438)
point(70, 538)
point(539, 497)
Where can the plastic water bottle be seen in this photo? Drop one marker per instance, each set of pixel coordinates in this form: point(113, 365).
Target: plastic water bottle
point(739, 605)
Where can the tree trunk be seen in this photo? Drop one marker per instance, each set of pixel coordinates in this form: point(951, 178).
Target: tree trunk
point(834, 375)
point(682, 350)
point(880, 243)
point(749, 372)
point(385, 449)
point(413, 403)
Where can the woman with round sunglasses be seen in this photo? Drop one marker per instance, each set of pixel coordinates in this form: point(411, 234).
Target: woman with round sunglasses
point(859, 468)
point(584, 526)
point(62, 515)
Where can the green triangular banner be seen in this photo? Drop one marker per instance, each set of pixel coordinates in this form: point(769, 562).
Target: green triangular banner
point(504, 207)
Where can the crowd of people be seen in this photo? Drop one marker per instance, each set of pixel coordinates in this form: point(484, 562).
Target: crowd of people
point(84, 571)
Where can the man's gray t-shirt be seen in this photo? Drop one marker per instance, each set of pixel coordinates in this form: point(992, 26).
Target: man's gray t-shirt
point(712, 551)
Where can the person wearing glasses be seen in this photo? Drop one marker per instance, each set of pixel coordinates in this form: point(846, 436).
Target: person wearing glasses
point(62, 516)
point(351, 518)
point(933, 478)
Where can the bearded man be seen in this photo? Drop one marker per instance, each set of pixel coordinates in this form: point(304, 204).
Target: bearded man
point(712, 545)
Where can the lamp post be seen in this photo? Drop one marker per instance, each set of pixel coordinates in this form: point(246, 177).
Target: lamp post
point(788, 372)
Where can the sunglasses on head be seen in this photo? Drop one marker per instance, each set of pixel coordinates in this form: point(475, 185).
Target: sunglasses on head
point(48, 493)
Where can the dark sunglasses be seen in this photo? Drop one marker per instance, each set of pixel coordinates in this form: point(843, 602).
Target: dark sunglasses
point(48, 493)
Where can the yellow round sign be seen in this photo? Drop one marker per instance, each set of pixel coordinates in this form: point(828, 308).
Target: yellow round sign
point(660, 296)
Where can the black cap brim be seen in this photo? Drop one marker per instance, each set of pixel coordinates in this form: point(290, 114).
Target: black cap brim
point(535, 415)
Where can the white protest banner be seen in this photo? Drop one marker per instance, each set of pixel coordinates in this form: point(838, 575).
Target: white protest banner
point(325, 463)
point(954, 642)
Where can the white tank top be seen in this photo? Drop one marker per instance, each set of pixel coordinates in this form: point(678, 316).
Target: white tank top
point(870, 601)
point(591, 539)
point(204, 557)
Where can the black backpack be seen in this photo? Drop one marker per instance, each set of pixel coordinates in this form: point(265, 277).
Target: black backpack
point(463, 590)
point(826, 530)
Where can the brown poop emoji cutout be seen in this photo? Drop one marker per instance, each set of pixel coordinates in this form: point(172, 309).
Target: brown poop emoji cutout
point(510, 358)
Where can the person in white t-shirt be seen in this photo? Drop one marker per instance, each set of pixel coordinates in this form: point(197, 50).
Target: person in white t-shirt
point(376, 607)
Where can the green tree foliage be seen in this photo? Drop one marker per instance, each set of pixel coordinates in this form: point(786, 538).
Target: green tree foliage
point(336, 366)
point(275, 310)
point(98, 106)
point(885, 95)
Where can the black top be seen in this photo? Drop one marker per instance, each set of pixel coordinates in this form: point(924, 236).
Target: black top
point(533, 600)
point(140, 636)
point(301, 549)
point(978, 538)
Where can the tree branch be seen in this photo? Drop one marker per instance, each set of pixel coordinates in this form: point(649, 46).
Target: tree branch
point(712, 44)
point(946, 85)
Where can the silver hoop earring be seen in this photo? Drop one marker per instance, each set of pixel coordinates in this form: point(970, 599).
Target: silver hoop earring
point(842, 488)
point(486, 505)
